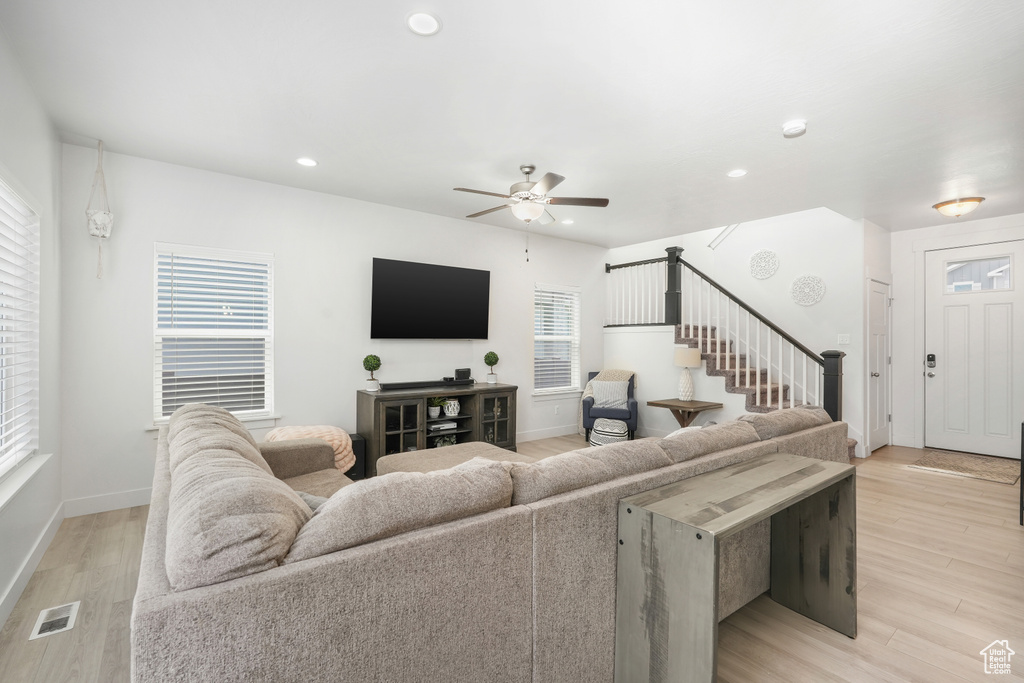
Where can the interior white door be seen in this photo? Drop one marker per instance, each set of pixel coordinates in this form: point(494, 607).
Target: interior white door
point(878, 365)
point(974, 327)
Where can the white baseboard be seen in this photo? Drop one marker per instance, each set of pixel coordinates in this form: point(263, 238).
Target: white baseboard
point(76, 507)
point(548, 433)
point(10, 598)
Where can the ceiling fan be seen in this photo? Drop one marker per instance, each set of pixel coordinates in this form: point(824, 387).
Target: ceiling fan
point(527, 199)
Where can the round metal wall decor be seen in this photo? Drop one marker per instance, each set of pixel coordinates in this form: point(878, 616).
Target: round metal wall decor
point(808, 290)
point(763, 264)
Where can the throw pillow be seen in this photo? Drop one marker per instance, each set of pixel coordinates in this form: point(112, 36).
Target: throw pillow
point(610, 394)
point(394, 503)
point(681, 431)
point(341, 442)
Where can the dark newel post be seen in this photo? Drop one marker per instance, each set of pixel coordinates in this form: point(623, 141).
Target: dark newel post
point(833, 398)
point(673, 292)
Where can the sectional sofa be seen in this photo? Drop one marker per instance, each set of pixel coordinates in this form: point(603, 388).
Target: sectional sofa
point(488, 570)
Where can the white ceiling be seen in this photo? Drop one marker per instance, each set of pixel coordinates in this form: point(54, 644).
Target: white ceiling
point(650, 103)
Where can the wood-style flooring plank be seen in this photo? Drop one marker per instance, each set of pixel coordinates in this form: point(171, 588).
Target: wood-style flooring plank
point(75, 655)
point(19, 657)
point(106, 540)
point(116, 660)
point(131, 551)
point(69, 543)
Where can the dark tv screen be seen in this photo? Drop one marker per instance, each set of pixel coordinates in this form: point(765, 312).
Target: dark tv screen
point(426, 301)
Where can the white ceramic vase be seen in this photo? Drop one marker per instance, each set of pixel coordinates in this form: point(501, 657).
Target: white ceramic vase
point(492, 378)
point(452, 407)
point(372, 385)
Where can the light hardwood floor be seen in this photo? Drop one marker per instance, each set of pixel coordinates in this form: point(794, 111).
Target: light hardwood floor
point(940, 564)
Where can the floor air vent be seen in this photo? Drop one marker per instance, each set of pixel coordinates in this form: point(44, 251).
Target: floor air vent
point(55, 620)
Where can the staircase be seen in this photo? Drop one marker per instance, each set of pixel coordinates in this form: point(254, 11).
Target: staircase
point(753, 355)
point(762, 396)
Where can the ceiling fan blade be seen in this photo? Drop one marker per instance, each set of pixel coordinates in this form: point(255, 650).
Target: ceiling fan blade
point(492, 194)
point(577, 201)
point(486, 211)
point(547, 183)
point(546, 218)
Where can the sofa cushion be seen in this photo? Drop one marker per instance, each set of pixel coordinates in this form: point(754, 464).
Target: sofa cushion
point(786, 421)
point(195, 428)
point(402, 501)
point(584, 467)
point(227, 518)
point(323, 483)
point(693, 444)
point(433, 459)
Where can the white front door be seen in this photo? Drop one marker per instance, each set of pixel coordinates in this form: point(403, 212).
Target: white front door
point(974, 328)
point(878, 365)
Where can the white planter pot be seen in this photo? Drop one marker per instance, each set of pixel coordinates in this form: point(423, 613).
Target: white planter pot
point(492, 378)
point(372, 385)
point(434, 412)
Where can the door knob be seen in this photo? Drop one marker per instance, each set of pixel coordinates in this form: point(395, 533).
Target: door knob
point(875, 374)
point(931, 374)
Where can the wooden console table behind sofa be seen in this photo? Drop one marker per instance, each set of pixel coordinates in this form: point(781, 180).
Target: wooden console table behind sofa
point(395, 421)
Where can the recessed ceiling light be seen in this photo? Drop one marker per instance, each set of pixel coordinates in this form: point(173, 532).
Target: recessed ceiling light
point(305, 161)
point(738, 173)
point(794, 128)
point(423, 24)
point(567, 221)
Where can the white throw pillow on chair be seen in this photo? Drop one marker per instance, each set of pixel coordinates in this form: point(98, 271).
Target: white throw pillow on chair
point(610, 394)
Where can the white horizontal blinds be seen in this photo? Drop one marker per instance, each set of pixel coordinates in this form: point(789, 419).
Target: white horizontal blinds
point(556, 340)
point(19, 330)
point(214, 331)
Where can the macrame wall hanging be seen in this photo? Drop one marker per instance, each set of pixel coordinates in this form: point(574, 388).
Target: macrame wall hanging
point(98, 211)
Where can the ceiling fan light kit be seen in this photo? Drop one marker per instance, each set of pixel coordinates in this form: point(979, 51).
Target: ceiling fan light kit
point(527, 199)
point(955, 208)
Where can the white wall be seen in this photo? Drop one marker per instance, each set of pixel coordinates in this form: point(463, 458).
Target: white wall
point(815, 242)
point(323, 246)
point(30, 511)
point(908, 253)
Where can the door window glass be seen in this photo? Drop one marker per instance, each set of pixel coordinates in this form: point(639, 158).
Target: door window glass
point(978, 275)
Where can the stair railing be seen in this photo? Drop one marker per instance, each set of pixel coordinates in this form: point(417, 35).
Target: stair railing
point(725, 328)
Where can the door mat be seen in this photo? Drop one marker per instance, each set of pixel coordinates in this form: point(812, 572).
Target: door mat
point(987, 467)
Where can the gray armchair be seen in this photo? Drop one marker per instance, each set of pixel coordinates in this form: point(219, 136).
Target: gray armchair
point(628, 415)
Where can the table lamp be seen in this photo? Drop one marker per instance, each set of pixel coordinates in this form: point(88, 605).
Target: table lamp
point(686, 358)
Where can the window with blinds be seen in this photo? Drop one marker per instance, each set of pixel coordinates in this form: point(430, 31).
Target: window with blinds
point(214, 330)
point(19, 330)
point(556, 339)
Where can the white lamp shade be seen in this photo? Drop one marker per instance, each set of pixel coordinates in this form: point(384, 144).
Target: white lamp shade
point(688, 357)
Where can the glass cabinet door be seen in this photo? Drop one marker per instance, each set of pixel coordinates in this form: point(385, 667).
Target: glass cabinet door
point(401, 422)
point(496, 420)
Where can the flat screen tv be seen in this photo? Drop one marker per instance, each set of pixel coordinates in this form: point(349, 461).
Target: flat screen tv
point(426, 301)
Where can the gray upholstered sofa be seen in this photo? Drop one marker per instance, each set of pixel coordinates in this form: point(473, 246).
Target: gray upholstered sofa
point(490, 570)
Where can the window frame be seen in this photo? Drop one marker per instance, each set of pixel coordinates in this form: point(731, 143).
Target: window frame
point(19, 227)
point(228, 256)
point(574, 338)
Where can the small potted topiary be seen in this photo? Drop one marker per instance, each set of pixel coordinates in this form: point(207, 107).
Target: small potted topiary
point(435, 405)
point(371, 363)
point(491, 359)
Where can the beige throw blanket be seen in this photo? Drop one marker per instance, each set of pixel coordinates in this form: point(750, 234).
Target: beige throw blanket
point(603, 376)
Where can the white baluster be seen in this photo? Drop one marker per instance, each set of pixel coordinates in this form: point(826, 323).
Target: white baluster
point(792, 376)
